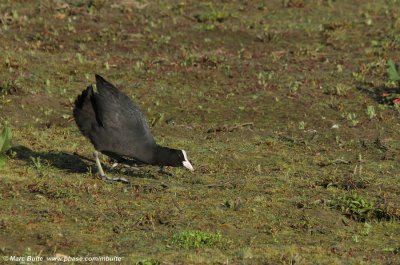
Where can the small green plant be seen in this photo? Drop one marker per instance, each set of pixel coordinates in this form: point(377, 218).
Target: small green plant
point(294, 87)
point(139, 65)
point(371, 112)
point(213, 15)
point(5, 145)
point(9, 87)
point(37, 162)
point(302, 125)
point(356, 207)
point(392, 71)
point(148, 262)
point(263, 78)
point(194, 239)
point(351, 117)
point(359, 77)
point(394, 250)
point(80, 58)
point(51, 190)
point(338, 90)
point(366, 229)
point(209, 19)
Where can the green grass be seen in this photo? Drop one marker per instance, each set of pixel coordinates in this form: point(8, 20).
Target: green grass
point(194, 239)
point(285, 108)
point(356, 207)
point(148, 262)
point(5, 145)
point(392, 71)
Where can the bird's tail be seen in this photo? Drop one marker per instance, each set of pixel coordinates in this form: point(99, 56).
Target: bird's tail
point(84, 113)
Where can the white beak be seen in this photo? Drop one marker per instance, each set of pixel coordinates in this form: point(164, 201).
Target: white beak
point(186, 163)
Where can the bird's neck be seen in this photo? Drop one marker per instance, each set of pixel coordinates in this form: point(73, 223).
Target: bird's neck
point(164, 156)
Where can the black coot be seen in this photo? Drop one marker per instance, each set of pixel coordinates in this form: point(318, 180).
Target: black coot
point(117, 128)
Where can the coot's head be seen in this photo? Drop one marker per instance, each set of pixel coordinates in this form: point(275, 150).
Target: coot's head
point(172, 157)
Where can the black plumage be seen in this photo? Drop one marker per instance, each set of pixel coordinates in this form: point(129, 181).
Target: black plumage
point(117, 128)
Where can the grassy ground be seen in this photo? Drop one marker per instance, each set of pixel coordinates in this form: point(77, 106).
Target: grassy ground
point(278, 104)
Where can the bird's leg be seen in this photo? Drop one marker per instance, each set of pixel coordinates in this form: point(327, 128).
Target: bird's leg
point(98, 164)
point(101, 172)
point(163, 172)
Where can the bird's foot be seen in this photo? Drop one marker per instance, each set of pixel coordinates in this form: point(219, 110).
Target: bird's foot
point(110, 179)
point(163, 172)
point(103, 175)
point(131, 167)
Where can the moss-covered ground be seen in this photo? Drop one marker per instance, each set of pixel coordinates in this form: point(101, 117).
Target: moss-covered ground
point(281, 106)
